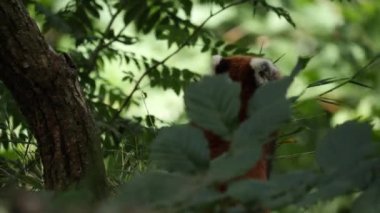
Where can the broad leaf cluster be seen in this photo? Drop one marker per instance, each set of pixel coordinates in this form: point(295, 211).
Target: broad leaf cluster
point(346, 163)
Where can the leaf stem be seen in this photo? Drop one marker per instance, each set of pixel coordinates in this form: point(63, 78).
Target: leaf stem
point(372, 61)
point(101, 44)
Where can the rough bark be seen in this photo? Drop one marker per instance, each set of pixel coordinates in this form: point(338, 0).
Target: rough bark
point(46, 88)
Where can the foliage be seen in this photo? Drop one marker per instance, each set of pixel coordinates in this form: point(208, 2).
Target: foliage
point(344, 156)
point(182, 177)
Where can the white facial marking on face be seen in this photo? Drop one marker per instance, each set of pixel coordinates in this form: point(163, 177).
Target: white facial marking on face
point(263, 69)
point(216, 59)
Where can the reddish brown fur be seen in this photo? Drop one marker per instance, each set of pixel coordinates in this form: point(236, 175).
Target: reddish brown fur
point(239, 69)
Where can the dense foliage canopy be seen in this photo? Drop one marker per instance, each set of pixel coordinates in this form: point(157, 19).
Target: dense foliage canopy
point(136, 57)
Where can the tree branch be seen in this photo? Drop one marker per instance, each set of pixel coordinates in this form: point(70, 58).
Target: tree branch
point(163, 61)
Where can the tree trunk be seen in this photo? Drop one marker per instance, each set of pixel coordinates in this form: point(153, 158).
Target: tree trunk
point(46, 88)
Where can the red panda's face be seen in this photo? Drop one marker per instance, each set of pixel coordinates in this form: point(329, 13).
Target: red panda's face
point(250, 71)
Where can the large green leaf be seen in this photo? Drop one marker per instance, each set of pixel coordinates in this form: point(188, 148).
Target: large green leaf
point(269, 94)
point(202, 197)
point(340, 182)
point(213, 104)
point(368, 202)
point(180, 148)
point(344, 146)
point(281, 191)
point(268, 110)
point(255, 131)
point(234, 164)
point(301, 64)
point(155, 189)
point(249, 190)
point(288, 188)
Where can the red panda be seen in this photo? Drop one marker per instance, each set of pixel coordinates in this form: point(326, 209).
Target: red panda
point(252, 72)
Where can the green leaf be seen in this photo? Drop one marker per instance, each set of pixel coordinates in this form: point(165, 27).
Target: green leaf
point(287, 188)
point(3, 126)
point(93, 10)
point(135, 9)
point(155, 188)
point(31, 181)
point(180, 148)
point(249, 190)
point(281, 12)
point(340, 182)
point(278, 192)
point(269, 94)
point(142, 18)
point(268, 110)
point(301, 64)
point(150, 120)
point(70, 198)
point(232, 165)
point(151, 21)
point(213, 104)
point(344, 146)
point(202, 197)
point(368, 202)
point(187, 6)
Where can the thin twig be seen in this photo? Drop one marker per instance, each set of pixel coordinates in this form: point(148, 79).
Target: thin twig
point(116, 37)
point(109, 7)
point(101, 44)
point(147, 112)
point(345, 80)
point(163, 61)
point(279, 58)
point(372, 61)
